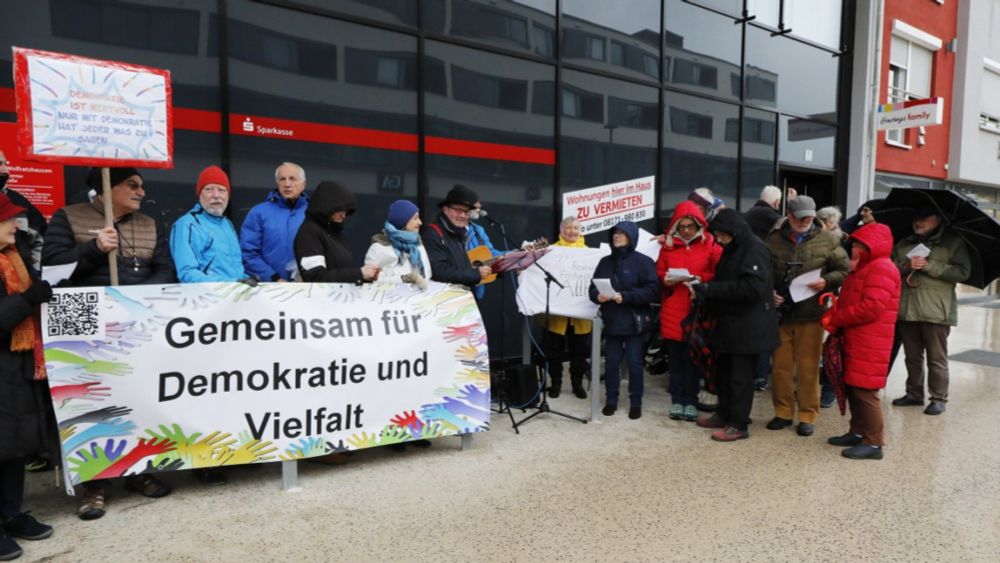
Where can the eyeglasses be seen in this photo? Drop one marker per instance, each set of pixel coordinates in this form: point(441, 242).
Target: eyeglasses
point(687, 227)
point(460, 210)
point(133, 185)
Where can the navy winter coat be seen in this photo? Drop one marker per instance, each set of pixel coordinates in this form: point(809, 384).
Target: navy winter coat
point(634, 276)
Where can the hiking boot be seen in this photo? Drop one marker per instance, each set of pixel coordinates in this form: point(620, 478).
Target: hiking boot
point(676, 411)
point(147, 486)
point(690, 413)
point(907, 401)
point(25, 526)
point(730, 434)
point(578, 391)
point(554, 390)
point(805, 429)
point(92, 506)
point(609, 410)
point(9, 548)
point(863, 451)
point(635, 413)
point(714, 421)
point(845, 440)
point(935, 408)
point(778, 423)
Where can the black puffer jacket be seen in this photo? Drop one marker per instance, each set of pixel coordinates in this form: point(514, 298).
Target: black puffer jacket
point(634, 276)
point(739, 296)
point(321, 251)
point(761, 218)
point(23, 422)
point(445, 246)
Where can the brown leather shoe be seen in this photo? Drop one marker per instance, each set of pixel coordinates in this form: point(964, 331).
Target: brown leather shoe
point(730, 434)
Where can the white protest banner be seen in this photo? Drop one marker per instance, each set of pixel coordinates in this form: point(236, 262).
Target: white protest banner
point(911, 113)
point(574, 268)
point(89, 112)
point(600, 208)
point(159, 378)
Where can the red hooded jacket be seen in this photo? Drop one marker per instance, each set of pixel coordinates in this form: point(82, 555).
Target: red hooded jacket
point(699, 257)
point(866, 310)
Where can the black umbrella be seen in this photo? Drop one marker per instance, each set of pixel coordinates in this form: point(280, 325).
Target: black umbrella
point(961, 215)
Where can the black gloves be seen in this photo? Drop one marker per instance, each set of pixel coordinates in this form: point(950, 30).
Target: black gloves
point(39, 292)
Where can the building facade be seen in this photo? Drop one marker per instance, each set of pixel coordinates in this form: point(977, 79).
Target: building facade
point(520, 100)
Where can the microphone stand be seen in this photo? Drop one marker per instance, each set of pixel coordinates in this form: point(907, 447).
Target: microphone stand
point(544, 405)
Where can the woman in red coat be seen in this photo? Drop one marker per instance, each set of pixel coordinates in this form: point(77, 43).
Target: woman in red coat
point(866, 312)
point(687, 246)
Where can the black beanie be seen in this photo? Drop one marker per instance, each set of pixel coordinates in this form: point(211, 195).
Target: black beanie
point(118, 175)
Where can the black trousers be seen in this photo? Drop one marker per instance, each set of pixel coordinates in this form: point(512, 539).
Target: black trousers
point(11, 487)
point(734, 381)
point(579, 354)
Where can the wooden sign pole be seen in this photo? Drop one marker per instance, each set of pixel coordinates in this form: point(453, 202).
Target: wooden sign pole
point(109, 221)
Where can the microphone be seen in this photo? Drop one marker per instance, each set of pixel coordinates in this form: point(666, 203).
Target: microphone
point(484, 215)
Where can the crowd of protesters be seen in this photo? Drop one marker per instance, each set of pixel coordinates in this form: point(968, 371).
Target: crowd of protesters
point(734, 272)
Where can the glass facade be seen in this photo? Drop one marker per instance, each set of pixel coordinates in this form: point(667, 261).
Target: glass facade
point(521, 100)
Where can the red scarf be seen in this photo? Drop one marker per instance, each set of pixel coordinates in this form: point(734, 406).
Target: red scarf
point(27, 335)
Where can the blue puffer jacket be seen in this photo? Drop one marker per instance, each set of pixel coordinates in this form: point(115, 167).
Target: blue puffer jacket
point(634, 276)
point(268, 234)
point(205, 248)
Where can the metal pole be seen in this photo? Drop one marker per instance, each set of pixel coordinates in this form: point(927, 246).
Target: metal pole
point(290, 476)
point(595, 367)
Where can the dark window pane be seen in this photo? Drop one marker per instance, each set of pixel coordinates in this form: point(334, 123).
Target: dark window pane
point(153, 28)
point(380, 68)
point(701, 46)
point(487, 90)
point(758, 157)
point(624, 39)
point(519, 26)
point(698, 148)
point(399, 12)
point(261, 46)
point(543, 97)
point(627, 113)
point(807, 143)
point(790, 76)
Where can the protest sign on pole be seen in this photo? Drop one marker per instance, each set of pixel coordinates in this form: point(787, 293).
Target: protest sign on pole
point(160, 378)
point(88, 112)
point(600, 208)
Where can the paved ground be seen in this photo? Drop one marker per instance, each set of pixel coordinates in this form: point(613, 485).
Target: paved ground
point(618, 490)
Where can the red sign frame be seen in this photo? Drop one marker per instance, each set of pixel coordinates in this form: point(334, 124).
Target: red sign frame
point(22, 97)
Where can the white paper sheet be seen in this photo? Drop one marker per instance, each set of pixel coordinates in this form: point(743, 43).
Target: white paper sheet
point(604, 287)
point(679, 273)
point(798, 288)
point(56, 274)
point(648, 245)
point(919, 250)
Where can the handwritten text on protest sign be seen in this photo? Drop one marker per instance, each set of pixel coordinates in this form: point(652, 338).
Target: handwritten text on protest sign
point(94, 112)
point(600, 208)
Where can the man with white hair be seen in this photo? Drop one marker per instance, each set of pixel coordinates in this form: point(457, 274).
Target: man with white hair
point(268, 232)
point(765, 212)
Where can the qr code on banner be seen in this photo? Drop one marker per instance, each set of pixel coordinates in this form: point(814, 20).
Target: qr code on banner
point(74, 314)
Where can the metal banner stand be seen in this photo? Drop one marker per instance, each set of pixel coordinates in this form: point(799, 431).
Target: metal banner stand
point(595, 367)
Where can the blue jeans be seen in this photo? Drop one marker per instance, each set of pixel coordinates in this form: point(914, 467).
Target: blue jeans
point(632, 348)
point(683, 377)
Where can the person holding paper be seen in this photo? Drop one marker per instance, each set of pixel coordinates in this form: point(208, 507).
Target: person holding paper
point(739, 298)
point(928, 306)
point(689, 253)
point(23, 393)
point(398, 250)
point(866, 313)
point(627, 316)
point(203, 241)
point(800, 247)
point(565, 332)
point(321, 250)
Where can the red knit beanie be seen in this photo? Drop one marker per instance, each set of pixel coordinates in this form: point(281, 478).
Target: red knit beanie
point(8, 209)
point(212, 175)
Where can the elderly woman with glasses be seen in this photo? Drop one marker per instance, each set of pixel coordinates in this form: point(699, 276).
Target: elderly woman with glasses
point(689, 253)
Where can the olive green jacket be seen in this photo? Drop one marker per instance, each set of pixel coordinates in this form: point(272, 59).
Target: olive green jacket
point(933, 300)
point(819, 249)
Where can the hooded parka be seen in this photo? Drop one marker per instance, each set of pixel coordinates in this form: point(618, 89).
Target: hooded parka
point(633, 275)
point(321, 250)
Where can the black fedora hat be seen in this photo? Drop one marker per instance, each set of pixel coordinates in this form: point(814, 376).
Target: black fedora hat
point(460, 195)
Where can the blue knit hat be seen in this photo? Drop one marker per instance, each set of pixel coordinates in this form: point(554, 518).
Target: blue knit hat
point(400, 213)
